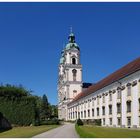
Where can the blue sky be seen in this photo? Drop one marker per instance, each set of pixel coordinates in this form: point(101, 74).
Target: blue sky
point(32, 36)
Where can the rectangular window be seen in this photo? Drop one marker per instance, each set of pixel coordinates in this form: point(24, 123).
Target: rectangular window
point(103, 121)
point(110, 121)
point(129, 121)
point(103, 110)
point(110, 109)
point(119, 121)
point(97, 111)
point(88, 113)
point(75, 114)
point(78, 114)
point(139, 104)
point(139, 120)
point(118, 108)
point(128, 106)
point(84, 114)
point(139, 88)
point(119, 94)
point(129, 91)
point(81, 114)
point(92, 112)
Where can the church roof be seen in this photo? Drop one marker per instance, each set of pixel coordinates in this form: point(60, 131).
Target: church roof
point(117, 75)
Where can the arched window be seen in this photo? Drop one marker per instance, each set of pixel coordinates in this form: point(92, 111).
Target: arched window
point(73, 61)
point(74, 71)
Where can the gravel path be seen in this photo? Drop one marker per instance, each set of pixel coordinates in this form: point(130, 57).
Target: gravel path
point(65, 131)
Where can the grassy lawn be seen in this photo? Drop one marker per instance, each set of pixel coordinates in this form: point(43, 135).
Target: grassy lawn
point(88, 131)
point(26, 132)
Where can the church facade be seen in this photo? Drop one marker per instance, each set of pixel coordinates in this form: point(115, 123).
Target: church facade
point(115, 100)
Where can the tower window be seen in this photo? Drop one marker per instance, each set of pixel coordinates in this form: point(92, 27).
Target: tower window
point(73, 61)
point(74, 71)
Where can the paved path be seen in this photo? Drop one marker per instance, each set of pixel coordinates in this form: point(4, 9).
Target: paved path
point(65, 131)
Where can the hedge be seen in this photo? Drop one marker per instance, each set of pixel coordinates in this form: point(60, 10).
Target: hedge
point(20, 111)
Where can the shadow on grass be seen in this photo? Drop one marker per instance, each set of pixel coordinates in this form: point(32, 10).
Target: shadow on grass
point(3, 130)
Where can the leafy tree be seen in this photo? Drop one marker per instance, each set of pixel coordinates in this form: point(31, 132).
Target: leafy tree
point(54, 111)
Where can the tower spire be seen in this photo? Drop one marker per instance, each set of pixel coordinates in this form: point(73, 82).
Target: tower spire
point(71, 36)
point(71, 29)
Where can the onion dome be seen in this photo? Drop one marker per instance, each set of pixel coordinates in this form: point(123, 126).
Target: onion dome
point(72, 43)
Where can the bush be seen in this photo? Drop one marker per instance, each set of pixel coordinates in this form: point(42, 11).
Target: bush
point(18, 111)
point(79, 122)
point(50, 122)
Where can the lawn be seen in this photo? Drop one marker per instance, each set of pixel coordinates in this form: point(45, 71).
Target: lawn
point(88, 131)
point(26, 132)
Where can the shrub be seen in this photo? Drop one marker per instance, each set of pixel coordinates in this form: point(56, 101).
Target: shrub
point(79, 122)
point(50, 122)
point(18, 111)
point(98, 122)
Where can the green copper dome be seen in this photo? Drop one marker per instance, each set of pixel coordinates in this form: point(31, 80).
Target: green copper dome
point(71, 43)
point(62, 53)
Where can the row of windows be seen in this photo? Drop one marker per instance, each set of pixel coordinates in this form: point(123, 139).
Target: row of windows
point(110, 97)
point(118, 121)
point(128, 105)
point(110, 119)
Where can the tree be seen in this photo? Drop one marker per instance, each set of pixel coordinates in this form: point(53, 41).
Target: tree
point(54, 111)
point(45, 108)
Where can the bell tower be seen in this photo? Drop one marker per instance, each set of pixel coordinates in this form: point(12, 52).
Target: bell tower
point(70, 76)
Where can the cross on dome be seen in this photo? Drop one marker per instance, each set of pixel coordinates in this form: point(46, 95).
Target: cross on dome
point(71, 36)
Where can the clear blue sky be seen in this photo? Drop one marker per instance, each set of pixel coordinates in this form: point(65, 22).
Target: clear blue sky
point(32, 36)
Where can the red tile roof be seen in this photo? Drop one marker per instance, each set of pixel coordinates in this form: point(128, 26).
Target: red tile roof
point(117, 75)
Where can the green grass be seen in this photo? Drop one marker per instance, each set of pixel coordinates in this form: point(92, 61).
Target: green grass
point(88, 131)
point(26, 132)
